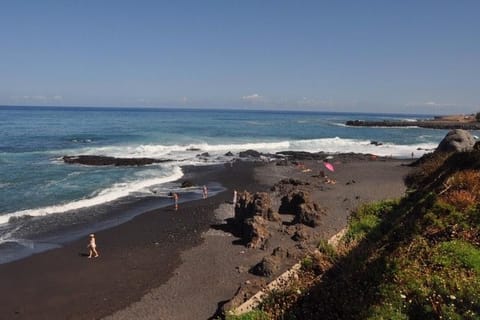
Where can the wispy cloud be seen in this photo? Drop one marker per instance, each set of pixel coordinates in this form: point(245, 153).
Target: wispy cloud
point(253, 97)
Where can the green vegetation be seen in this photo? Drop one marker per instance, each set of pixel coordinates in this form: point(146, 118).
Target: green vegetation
point(366, 220)
point(477, 116)
point(328, 250)
point(252, 315)
point(413, 258)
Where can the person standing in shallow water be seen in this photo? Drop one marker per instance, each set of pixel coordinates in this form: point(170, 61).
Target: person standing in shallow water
point(205, 192)
point(92, 246)
point(175, 200)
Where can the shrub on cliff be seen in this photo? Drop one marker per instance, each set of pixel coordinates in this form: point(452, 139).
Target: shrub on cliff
point(477, 116)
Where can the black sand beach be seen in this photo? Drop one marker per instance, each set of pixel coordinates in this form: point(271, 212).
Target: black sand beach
point(167, 264)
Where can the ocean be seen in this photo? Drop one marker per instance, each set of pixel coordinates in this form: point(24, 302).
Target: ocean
point(45, 202)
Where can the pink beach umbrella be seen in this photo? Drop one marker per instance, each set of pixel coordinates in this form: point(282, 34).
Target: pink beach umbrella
point(329, 166)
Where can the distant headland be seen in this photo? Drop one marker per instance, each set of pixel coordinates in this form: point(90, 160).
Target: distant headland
point(466, 122)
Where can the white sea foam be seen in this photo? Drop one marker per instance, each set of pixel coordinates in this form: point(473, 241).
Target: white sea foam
point(339, 145)
point(188, 153)
point(4, 184)
point(118, 190)
point(181, 152)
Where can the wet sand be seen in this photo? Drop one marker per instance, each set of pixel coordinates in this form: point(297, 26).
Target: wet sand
point(167, 264)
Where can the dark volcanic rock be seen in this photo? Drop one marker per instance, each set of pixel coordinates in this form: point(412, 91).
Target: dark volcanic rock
point(258, 204)
point(306, 212)
point(267, 267)
point(456, 140)
point(433, 124)
point(252, 213)
point(203, 155)
point(255, 232)
point(229, 154)
point(109, 161)
point(187, 184)
point(303, 155)
point(249, 154)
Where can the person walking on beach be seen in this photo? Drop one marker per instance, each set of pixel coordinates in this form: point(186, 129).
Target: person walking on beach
point(92, 246)
point(205, 192)
point(175, 200)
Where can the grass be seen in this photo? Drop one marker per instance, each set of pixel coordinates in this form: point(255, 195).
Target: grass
point(458, 254)
point(252, 315)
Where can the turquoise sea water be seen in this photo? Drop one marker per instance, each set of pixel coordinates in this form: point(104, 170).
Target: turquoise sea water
point(38, 189)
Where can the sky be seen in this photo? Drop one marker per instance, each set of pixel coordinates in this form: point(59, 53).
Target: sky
point(409, 56)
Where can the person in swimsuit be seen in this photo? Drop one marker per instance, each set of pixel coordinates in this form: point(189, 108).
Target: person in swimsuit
point(205, 192)
point(93, 247)
point(175, 200)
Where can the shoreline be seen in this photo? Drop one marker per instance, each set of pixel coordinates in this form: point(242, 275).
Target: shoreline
point(162, 261)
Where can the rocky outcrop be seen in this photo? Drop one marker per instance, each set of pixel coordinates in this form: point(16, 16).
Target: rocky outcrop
point(258, 204)
point(456, 141)
point(252, 213)
point(255, 232)
point(302, 155)
point(267, 267)
point(186, 184)
point(299, 203)
point(249, 154)
point(110, 161)
point(432, 124)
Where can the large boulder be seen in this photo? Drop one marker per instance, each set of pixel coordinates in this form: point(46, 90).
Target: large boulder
point(255, 232)
point(306, 211)
point(249, 154)
point(456, 140)
point(267, 267)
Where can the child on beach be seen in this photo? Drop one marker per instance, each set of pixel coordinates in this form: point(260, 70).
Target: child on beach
point(234, 197)
point(93, 247)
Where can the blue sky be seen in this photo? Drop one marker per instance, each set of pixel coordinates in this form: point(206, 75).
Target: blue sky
point(386, 55)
